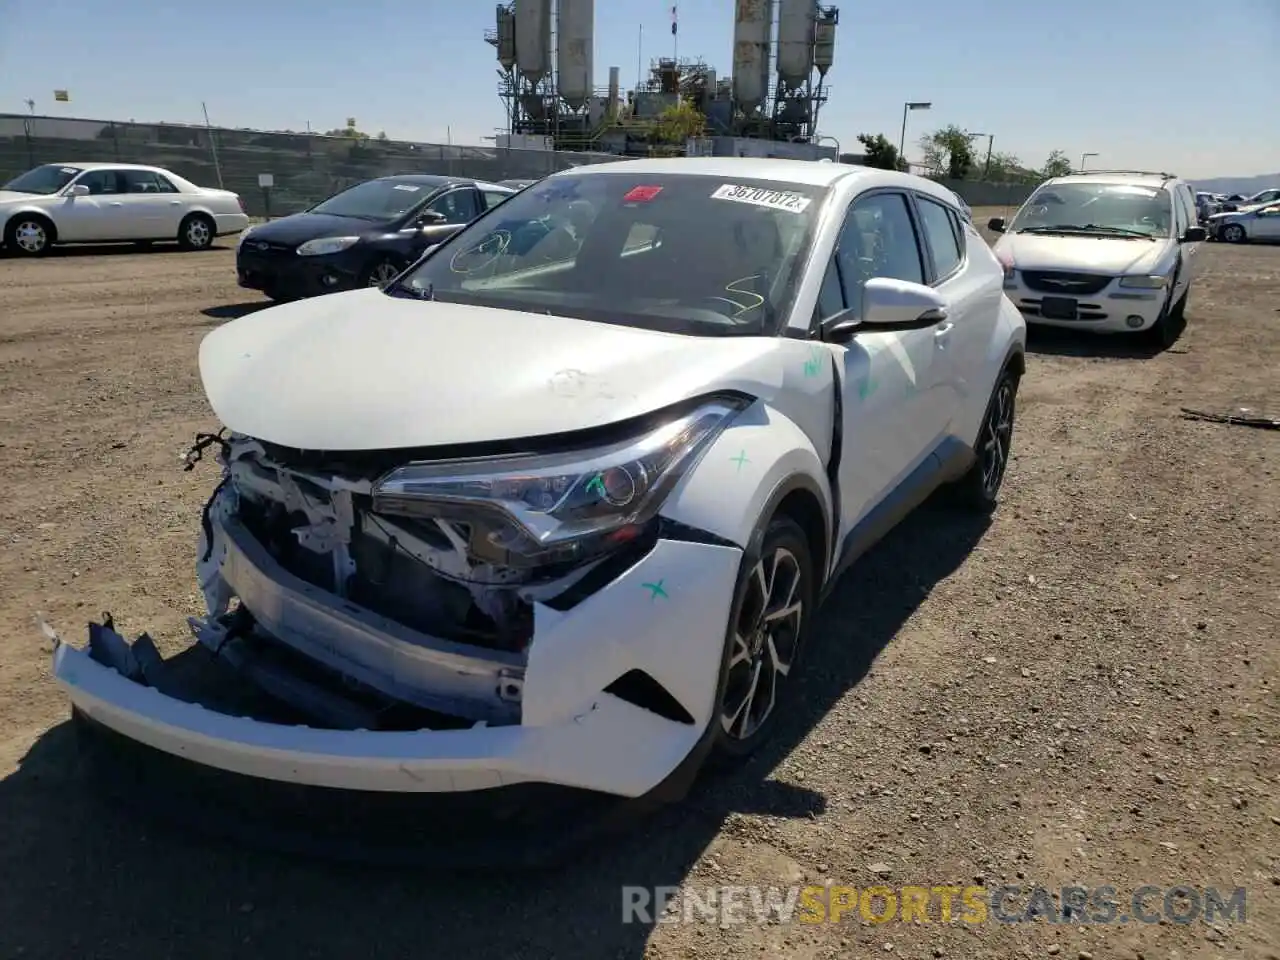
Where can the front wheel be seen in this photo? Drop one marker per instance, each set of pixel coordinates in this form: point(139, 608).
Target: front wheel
point(979, 488)
point(28, 236)
point(1234, 233)
point(772, 607)
point(381, 273)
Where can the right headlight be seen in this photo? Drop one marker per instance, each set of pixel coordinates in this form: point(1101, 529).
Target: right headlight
point(524, 511)
point(316, 248)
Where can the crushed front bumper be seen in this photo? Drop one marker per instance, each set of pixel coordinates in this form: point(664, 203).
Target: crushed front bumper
point(571, 733)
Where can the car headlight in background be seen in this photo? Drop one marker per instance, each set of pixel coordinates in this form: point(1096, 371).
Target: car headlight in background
point(316, 248)
point(564, 507)
point(1144, 282)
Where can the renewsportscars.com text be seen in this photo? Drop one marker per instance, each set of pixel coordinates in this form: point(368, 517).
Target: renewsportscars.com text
point(730, 905)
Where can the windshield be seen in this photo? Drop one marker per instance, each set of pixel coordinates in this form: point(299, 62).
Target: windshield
point(46, 180)
point(376, 200)
point(679, 253)
point(1102, 209)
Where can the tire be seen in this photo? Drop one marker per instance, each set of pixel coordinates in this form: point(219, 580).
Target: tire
point(1164, 332)
point(979, 488)
point(770, 652)
point(386, 269)
point(196, 232)
point(1233, 233)
point(29, 235)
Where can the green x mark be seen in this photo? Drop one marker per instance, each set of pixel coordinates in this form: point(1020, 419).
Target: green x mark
point(740, 460)
point(596, 485)
point(656, 590)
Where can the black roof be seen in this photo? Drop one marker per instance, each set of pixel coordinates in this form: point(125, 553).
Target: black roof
point(425, 179)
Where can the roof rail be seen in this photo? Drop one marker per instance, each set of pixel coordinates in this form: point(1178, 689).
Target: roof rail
point(1142, 173)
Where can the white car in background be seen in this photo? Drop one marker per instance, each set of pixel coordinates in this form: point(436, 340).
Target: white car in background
point(1103, 251)
point(1246, 225)
point(110, 202)
point(560, 511)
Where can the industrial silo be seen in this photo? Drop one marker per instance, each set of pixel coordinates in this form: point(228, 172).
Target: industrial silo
point(574, 40)
point(752, 33)
point(533, 38)
point(824, 44)
point(506, 39)
point(796, 20)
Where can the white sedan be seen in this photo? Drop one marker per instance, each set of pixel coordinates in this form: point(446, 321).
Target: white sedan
point(560, 509)
point(109, 202)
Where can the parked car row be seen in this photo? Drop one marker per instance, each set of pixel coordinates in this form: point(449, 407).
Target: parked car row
point(557, 504)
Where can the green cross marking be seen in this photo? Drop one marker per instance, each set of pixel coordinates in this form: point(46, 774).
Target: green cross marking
point(815, 359)
point(655, 590)
point(740, 459)
point(596, 485)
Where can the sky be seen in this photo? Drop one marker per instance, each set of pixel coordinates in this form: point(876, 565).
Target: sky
point(1188, 86)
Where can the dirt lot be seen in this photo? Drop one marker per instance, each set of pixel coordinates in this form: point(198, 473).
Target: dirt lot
point(1083, 693)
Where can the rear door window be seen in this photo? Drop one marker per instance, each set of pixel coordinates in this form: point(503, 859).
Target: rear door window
point(939, 226)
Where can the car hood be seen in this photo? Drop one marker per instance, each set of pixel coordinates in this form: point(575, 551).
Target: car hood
point(1086, 254)
point(367, 371)
point(301, 227)
point(12, 196)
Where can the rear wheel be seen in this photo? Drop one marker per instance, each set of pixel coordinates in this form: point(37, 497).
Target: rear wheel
point(196, 232)
point(979, 488)
point(28, 236)
point(768, 621)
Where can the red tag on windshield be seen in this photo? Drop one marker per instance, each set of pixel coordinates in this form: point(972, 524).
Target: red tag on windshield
point(641, 194)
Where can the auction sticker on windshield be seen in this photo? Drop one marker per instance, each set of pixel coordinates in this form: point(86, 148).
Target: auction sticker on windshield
point(406, 186)
point(757, 196)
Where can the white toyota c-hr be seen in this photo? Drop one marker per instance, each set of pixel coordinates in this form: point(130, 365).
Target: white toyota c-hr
point(558, 503)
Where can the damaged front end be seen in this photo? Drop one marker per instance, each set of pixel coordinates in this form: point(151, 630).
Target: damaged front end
point(360, 595)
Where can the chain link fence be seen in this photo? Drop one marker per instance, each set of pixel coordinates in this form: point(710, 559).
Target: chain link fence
point(306, 168)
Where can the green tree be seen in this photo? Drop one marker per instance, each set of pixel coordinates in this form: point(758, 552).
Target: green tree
point(880, 152)
point(680, 122)
point(1004, 168)
point(948, 152)
point(1058, 165)
point(350, 131)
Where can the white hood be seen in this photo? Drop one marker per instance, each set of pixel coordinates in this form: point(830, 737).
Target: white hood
point(11, 196)
point(1085, 254)
point(366, 371)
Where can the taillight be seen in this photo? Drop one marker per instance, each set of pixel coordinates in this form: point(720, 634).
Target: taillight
point(243, 208)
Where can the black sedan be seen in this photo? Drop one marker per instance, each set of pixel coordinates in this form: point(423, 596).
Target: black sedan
point(361, 237)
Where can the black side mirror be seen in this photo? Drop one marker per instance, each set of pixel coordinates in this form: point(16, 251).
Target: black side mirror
point(839, 327)
point(996, 224)
point(1195, 235)
point(429, 218)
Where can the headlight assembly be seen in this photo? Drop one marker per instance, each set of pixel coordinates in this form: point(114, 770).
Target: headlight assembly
point(316, 248)
point(531, 510)
point(1144, 283)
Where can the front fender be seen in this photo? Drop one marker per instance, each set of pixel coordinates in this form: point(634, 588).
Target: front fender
point(737, 478)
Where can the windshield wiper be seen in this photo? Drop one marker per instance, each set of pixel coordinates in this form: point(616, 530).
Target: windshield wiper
point(1087, 228)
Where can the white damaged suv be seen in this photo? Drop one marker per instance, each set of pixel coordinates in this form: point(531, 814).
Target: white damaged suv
point(1109, 251)
point(559, 510)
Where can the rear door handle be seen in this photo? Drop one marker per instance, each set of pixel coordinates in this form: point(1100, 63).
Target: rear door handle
point(943, 330)
point(116, 203)
point(175, 203)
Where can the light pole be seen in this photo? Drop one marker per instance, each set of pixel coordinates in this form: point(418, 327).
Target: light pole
point(31, 105)
point(902, 141)
point(1083, 158)
point(823, 136)
point(991, 141)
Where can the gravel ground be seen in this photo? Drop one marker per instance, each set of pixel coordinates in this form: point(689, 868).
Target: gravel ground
point(1084, 692)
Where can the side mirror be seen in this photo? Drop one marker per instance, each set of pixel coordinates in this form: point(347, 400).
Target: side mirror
point(429, 218)
point(1195, 235)
point(78, 190)
point(996, 224)
point(887, 304)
